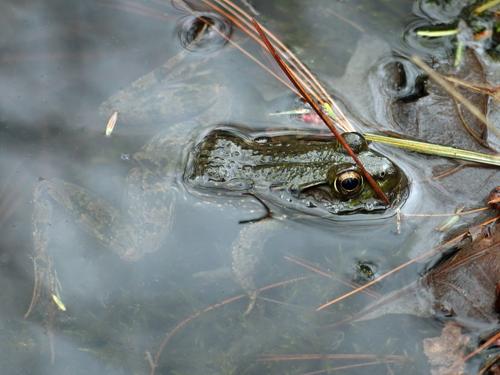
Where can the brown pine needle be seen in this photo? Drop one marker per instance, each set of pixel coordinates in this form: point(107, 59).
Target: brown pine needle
point(313, 268)
point(154, 361)
point(242, 20)
point(420, 258)
point(494, 201)
point(493, 91)
point(245, 52)
point(436, 77)
point(348, 367)
point(237, 21)
point(326, 119)
point(486, 345)
point(241, 15)
point(474, 134)
point(328, 357)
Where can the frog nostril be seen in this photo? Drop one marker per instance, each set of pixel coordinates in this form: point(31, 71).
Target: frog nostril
point(204, 32)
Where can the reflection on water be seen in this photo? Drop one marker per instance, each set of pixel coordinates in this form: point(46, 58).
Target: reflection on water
point(63, 68)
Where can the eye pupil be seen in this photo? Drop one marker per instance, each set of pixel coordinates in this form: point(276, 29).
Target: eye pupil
point(350, 183)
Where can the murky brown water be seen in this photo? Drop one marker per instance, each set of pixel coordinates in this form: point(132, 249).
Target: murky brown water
point(60, 60)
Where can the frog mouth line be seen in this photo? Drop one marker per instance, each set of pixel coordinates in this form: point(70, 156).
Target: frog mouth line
point(321, 197)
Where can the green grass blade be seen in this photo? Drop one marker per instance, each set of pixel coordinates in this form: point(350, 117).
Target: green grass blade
point(437, 150)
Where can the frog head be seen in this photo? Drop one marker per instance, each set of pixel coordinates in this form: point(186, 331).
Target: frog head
point(344, 189)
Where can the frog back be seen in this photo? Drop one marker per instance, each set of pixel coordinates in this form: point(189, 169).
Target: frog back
point(236, 159)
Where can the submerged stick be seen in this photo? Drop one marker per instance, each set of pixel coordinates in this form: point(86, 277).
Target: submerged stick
point(437, 150)
point(327, 120)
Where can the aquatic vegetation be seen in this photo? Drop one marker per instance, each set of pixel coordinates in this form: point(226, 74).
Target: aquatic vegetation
point(476, 26)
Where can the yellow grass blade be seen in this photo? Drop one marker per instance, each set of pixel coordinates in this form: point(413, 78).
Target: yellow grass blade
point(437, 150)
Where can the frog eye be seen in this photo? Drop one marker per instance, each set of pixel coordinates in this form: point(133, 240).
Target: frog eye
point(348, 183)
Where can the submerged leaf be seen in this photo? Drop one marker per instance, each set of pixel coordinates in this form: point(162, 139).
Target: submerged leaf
point(446, 351)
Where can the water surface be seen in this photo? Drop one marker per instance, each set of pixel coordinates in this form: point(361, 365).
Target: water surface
point(60, 61)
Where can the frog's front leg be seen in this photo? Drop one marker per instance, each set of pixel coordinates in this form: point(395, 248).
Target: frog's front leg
point(247, 251)
point(129, 233)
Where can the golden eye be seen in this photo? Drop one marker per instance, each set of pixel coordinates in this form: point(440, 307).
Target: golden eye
point(349, 183)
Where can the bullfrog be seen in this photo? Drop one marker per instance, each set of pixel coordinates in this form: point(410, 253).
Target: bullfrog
point(288, 170)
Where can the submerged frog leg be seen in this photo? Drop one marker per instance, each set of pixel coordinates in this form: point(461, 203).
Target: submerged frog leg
point(246, 254)
point(267, 215)
point(129, 234)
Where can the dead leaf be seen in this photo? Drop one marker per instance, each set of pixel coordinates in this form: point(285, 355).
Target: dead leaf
point(445, 352)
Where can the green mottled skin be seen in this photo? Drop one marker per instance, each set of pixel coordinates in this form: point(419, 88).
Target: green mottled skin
point(289, 167)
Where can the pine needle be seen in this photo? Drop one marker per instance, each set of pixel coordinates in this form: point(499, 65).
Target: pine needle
point(327, 120)
point(436, 150)
point(452, 91)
